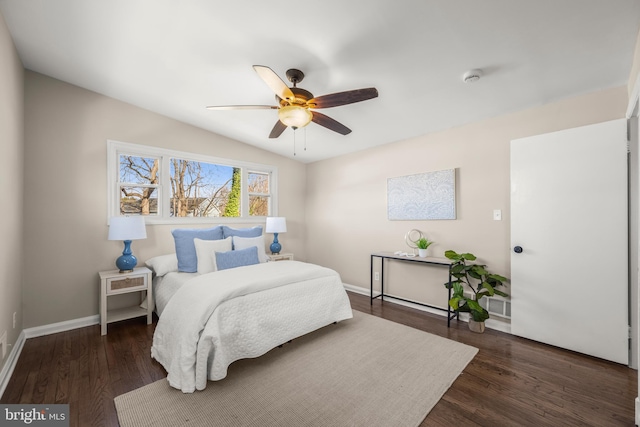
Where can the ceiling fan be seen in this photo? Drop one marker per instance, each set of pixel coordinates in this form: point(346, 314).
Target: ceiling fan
point(296, 104)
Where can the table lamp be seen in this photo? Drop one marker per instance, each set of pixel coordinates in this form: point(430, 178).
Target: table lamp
point(275, 225)
point(127, 228)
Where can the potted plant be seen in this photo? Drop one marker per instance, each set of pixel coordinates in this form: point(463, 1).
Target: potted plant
point(423, 243)
point(477, 278)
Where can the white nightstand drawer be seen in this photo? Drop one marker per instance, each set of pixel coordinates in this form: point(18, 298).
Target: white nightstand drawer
point(117, 285)
point(281, 257)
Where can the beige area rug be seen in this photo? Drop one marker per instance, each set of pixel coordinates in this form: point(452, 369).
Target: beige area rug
point(365, 371)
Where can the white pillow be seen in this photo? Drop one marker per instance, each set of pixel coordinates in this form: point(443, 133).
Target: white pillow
point(247, 242)
point(206, 253)
point(163, 264)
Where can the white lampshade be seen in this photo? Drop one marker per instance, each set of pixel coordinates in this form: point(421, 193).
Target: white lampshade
point(276, 224)
point(127, 228)
point(295, 116)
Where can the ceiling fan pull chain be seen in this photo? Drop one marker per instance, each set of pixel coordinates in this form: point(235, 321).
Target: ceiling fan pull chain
point(294, 141)
point(305, 139)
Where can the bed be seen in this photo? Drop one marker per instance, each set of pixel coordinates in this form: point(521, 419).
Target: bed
point(208, 321)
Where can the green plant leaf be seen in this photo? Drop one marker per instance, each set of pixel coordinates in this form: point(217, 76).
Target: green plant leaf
point(480, 316)
point(457, 268)
point(502, 294)
point(473, 272)
point(450, 284)
point(498, 277)
point(423, 243)
point(489, 288)
point(470, 257)
point(480, 269)
point(458, 290)
point(452, 255)
point(474, 306)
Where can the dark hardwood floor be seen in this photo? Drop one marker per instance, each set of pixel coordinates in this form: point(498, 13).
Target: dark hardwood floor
point(511, 381)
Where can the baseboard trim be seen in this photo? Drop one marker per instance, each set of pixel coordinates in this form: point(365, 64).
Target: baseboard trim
point(67, 325)
point(9, 366)
point(491, 324)
point(39, 331)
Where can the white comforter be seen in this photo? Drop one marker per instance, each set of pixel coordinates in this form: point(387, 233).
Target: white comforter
point(211, 321)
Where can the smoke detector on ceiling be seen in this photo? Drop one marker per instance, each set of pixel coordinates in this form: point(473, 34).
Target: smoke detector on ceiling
point(472, 76)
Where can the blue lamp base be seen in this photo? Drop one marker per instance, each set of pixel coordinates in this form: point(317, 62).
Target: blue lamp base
point(126, 262)
point(275, 247)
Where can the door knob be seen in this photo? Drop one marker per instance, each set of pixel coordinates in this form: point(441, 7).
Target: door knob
point(518, 249)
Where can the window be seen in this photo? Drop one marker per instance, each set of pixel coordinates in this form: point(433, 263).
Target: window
point(176, 187)
point(259, 194)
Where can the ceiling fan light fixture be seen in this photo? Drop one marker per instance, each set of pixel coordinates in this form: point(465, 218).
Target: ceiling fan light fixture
point(295, 116)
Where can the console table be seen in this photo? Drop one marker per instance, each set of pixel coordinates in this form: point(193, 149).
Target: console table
point(451, 314)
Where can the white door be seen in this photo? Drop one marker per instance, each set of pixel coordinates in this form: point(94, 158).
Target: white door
point(569, 284)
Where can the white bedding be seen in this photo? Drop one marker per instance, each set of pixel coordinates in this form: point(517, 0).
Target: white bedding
point(217, 318)
point(165, 286)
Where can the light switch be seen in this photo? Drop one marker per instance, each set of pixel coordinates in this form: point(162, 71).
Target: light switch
point(497, 215)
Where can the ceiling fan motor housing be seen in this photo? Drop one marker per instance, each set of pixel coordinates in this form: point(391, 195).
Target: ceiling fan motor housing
point(295, 76)
point(301, 97)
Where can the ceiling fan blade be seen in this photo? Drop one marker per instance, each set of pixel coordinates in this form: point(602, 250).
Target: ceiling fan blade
point(330, 123)
point(277, 129)
point(343, 98)
point(241, 107)
point(274, 82)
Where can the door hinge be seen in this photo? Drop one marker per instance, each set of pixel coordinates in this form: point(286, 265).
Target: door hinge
point(629, 332)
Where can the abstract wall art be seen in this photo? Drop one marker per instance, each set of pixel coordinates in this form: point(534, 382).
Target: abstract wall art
point(424, 196)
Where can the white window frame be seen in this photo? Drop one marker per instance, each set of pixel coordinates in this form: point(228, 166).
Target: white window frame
point(269, 195)
point(117, 148)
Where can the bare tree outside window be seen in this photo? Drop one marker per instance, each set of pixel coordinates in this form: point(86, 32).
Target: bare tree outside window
point(200, 189)
point(138, 185)
point(259, 193)
point(162, 184)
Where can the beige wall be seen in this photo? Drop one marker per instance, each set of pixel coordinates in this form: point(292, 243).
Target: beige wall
point(11, 187)
point(634, 75)
point(346, 196)
point(65, 185)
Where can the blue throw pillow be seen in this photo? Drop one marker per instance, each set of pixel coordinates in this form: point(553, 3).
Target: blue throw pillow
point(186, 250)
point(242, 232)
point(240, 258)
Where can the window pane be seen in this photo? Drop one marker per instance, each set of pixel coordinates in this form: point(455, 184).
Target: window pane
point(138, 200)
point(258, 205)
point(258, 183)
point(138, 170)
point(201, 189)
point(259, 192)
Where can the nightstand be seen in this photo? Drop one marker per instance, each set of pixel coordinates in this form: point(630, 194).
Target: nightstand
point(281, 257)
point(113, 282)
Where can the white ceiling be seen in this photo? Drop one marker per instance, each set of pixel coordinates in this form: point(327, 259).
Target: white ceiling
point(176, 57)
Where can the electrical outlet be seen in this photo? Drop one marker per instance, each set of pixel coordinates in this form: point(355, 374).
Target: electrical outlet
point(14, 320)
point(3, 343)
point(497, 215)
point(376, 276)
